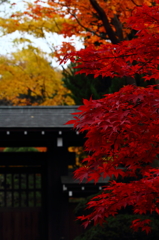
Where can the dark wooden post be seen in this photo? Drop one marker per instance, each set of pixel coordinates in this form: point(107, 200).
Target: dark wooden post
point(57, 208)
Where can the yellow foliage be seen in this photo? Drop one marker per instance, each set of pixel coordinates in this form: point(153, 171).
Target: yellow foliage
point(80, 154)
point(27, 78)
point(35, 27)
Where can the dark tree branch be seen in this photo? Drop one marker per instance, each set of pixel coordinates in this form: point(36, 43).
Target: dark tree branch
point(110, 32)
point(105, 21)
point(86, 28)
point(135, 3)
point(118, 26)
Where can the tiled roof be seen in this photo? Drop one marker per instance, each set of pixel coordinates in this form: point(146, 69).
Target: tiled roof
point(36, 116)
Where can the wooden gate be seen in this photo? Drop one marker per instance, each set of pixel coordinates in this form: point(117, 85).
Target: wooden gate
point(21, 215)
point(20, 224)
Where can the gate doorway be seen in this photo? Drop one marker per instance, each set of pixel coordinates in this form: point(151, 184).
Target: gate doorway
point(40, 126)
point(22, 214)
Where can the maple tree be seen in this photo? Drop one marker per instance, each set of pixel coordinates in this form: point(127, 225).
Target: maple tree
point(122, 129)
point(93, 21)
point(116, 228)
point(105, 22)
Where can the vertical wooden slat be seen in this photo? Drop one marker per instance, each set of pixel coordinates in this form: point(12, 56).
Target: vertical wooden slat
point(16, 225)
point(20, 190)
point(12, 189)
point(33, 224)
point(30, 224)
point(20, 224)
point(7, 230)
point(1, 225)
point(34, 187)
point(10, 224)
point(5, 194)
point(13, 220)
point(27, 191)
point(27, 225)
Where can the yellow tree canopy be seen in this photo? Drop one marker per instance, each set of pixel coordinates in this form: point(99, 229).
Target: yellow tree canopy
point(33, 26)
point(27, 78)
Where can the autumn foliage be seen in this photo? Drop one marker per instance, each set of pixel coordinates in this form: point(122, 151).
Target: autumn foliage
point(136, 56)
point(123, 137)
point(122, 129)
point(98, 24)
point(27, 78)
point(92, 21)
point(27, 75)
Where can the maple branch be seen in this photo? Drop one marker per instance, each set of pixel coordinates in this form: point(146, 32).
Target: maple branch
point(85, 28)
point(118, 26)
point(80, 24)
point(135, 3)
point(153, 18)
point(105, 21)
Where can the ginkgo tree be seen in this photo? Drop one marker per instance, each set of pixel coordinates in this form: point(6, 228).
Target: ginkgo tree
point(27, 78)
point(26, 75)
point(122, 129)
